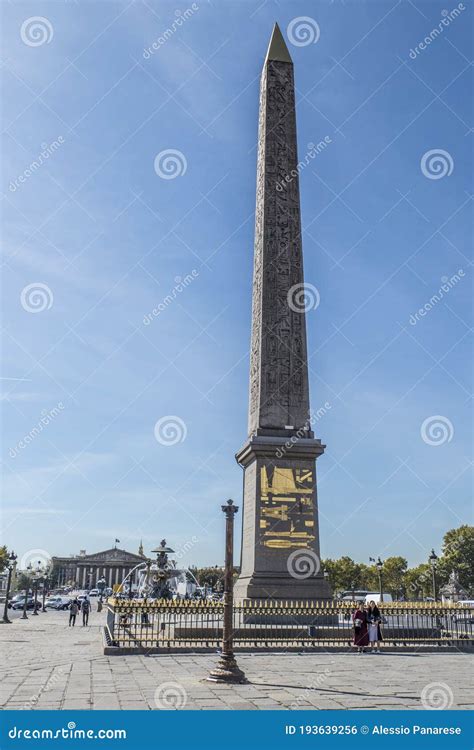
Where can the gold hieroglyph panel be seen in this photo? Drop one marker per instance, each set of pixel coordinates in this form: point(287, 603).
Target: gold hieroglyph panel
point(286, 507)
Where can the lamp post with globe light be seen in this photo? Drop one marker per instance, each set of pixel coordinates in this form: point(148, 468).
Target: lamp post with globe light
point(27, 589)
point(11, 567)
point(227, 669)
point(37, 575)
point(433, 559)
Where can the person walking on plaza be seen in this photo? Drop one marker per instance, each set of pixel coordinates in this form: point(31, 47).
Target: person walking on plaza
point(85, 609)
point(73, 610)
point(374, 619)
point(359, 621)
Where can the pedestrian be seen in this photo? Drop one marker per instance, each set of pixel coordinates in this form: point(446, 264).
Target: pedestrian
point(374, 619)
point(86, 608)
point(359, 622)
point(73, 610)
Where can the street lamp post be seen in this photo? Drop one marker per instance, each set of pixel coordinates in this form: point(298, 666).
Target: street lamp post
point(11, 566)
point(433, 558)
point(25, 603)
point(35, 588)
point(45, 584)
point(379, 566)
point(130, 584)
point(227, 669)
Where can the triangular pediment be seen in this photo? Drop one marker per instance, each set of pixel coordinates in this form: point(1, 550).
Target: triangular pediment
point(111, 555)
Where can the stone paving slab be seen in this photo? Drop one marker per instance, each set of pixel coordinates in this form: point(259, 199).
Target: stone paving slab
point(47, 665)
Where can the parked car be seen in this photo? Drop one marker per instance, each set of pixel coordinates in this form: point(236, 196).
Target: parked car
point(94, 592)
point(58, 602)
point(30, 604)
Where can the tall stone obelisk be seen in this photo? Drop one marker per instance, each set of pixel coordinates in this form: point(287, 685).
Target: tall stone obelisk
point(280, 537)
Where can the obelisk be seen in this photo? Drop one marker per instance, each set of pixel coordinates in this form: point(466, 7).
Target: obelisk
point(280, 537)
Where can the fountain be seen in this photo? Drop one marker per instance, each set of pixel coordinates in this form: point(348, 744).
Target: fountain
point(160, 579)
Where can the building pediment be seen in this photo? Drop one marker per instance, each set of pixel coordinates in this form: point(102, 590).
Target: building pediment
point(110, 556)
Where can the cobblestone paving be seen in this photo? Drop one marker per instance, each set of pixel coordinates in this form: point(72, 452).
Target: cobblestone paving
point(47, 665)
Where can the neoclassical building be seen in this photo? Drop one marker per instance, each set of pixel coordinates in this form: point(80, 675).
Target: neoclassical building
point(85, 570)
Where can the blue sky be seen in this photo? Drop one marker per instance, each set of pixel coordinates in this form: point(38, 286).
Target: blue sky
point(109, 239)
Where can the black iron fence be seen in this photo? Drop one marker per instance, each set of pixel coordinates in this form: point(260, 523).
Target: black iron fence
point(169, 625)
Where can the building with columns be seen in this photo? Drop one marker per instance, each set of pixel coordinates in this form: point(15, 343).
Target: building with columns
point(85, 570)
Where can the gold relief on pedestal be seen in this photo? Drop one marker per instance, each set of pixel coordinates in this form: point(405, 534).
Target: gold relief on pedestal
point(286, 507)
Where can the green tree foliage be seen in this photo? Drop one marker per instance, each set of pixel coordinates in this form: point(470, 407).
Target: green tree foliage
point(23, 581)
point(3, 558)
point(418, 582)
point(409, 583)
point(458, 557)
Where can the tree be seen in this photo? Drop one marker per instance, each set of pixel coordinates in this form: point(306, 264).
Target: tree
point(458, 557)
point(23, 581)
point(3, 558)
point(344, 574)
point(418, 582)
point(393, 573)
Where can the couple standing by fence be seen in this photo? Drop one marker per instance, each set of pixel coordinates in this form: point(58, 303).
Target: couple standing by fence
point(366, 621)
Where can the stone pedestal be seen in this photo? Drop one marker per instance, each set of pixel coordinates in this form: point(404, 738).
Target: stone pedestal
point(280, 535)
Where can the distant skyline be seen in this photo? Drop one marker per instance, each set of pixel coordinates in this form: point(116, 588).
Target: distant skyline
point(128, 199)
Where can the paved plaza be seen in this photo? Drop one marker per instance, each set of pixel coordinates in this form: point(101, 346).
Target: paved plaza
point(47, 665)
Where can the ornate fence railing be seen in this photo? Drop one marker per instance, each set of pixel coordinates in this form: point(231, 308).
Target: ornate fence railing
point(170, 625)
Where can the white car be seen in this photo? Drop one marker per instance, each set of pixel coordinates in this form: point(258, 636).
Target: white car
point(94, 592)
